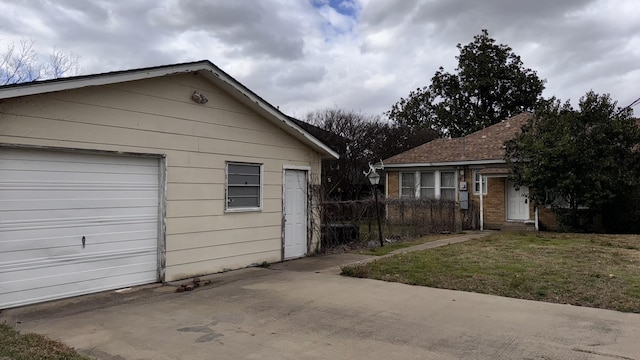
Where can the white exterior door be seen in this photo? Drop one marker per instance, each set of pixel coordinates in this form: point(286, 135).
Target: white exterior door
point(517, 202)
point(72, 224)
point(295, 213)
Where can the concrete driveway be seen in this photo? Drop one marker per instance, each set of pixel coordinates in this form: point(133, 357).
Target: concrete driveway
point(297, 310)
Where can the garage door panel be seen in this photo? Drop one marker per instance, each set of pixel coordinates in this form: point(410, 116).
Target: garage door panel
point(13, 251)
point(40, 294)
point(49, 201)
point(33, 161)
point(82, 203)
point(16, 178)
point(21, 217)
point(32, 243)
point(85, 165)
point(139, 192)
point(76, 228)
point(73, 270)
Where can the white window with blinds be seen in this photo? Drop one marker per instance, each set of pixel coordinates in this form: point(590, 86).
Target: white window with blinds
point(408, 185)
point(448, 185)
point(243, 187)
point(436, 184)
point(427, 185)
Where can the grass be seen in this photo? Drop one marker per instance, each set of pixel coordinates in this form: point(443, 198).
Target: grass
point(17, 346)
point(601, 271)
point(369, 230)
point(387, 248)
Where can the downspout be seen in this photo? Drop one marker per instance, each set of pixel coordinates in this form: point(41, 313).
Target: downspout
point(481, 203)
point(536, 218)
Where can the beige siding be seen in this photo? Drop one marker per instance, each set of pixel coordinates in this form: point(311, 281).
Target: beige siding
point(157, 116)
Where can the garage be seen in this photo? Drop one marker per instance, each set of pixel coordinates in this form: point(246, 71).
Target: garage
point(74, 223)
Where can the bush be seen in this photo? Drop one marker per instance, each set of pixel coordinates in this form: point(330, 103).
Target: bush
point(581, 222)
point(622, 216)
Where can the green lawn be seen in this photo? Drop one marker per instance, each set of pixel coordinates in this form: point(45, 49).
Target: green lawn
point(16, 346)
point(600, 271)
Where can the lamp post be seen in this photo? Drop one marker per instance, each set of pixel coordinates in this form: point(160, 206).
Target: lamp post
point(374, 179)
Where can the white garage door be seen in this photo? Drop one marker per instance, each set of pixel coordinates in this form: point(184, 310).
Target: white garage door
point(73, 224)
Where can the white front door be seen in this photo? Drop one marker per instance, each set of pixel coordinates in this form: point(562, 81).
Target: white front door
point(517, 202)
point(295, 213)
point(73, 224)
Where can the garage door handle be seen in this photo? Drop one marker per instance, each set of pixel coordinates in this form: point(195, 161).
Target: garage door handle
point(84, 240)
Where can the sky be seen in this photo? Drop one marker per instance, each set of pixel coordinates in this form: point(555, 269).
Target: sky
point(357, 55)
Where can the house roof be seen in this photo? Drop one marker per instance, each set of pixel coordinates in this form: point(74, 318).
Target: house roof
point(204, 68)
point(335, 141)
point(481, 147)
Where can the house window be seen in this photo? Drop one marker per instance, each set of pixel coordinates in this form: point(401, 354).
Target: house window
point(476, 183)
point(244, 186)
point(447, 185)
point(427, 185)
point(408, 187)
point(434, 184)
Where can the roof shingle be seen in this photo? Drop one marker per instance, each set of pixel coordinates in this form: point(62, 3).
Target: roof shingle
point(486, 144)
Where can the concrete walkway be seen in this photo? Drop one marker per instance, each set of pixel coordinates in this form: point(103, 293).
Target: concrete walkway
point(293, 311)
point(330, 264)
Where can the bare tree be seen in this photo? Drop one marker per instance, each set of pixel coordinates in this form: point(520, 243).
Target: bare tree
point(367, 139)
point(21, 63)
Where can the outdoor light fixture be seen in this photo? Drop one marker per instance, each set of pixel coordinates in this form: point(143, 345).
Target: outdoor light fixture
point(374, 179)
point(199, 98)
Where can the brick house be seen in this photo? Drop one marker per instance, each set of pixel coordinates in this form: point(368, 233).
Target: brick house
point(459, 168)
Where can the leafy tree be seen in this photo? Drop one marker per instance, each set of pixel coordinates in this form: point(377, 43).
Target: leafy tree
point(489, 85)
point(21, 63)
point(577, 158)
point(368, 139)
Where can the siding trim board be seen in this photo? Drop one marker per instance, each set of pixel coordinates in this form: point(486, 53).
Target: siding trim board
point(162, 218)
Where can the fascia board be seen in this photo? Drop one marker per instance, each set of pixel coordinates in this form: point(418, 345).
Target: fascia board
point(449, 163)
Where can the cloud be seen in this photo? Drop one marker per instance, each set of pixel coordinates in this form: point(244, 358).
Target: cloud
point(361, 55)
point(252, 30)
point(300, 75)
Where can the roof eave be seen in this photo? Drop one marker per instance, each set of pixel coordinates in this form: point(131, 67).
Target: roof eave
point(445, 163)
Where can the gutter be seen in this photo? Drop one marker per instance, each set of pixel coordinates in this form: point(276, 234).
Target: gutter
point(446, 163)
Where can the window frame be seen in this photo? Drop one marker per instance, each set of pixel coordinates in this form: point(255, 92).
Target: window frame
point(476, 182)
point(260, 186)
point(453, 187)
point(402, 187)
point(421, 186)
point(437, 183)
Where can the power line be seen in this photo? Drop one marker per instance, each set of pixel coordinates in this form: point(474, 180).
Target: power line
point(634, 103)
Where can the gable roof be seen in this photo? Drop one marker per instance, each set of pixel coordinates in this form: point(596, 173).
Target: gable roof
point(481, 147)
point(335, 141)
point(204, 68)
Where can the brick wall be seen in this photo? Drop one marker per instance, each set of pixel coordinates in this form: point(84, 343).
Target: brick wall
point(494, 203)
point(393, 189)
